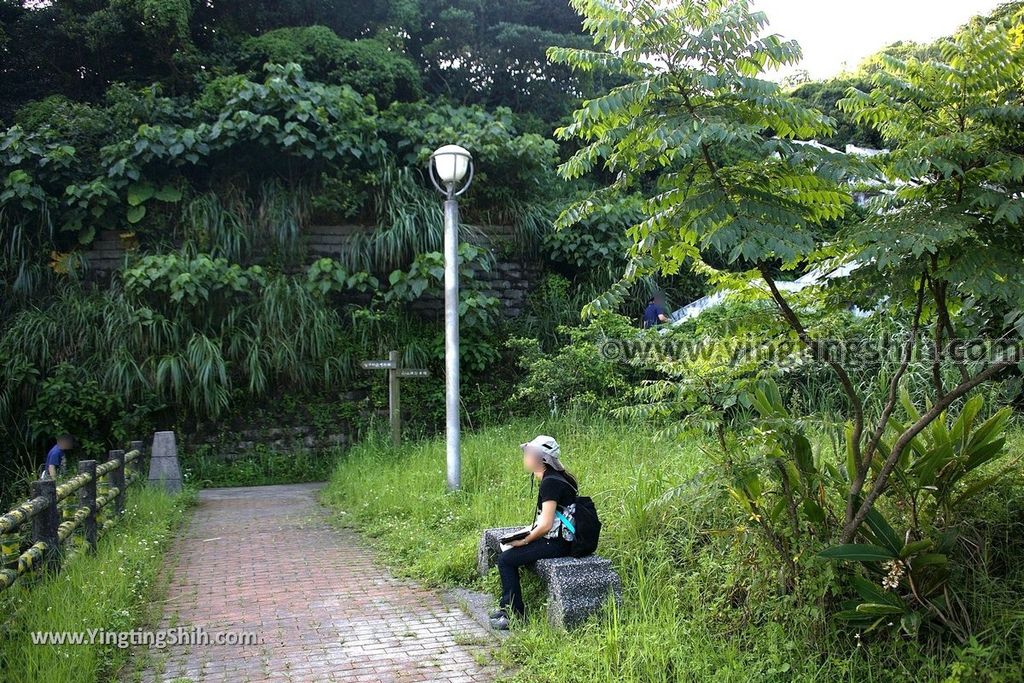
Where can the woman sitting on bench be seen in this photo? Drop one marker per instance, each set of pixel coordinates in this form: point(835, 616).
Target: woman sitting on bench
point(548, 537)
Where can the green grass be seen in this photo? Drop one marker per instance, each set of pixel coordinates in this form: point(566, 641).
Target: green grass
point(109, 590)
point(698, 604)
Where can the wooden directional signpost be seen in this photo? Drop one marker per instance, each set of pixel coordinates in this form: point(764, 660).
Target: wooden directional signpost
point(395, 372)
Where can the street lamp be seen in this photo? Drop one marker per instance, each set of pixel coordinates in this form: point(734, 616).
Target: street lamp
point(449, 165)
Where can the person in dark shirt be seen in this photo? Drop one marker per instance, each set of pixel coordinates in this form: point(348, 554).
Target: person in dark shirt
point(54, 466)
point(655, 311)
point(548, 537)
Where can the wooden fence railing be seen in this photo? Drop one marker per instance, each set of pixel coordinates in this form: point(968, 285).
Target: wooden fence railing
point(101, 488)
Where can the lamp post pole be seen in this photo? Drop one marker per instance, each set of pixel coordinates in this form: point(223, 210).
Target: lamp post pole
point(451, 342)
point(449, 166)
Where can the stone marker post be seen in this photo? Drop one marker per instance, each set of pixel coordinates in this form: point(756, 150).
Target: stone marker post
point(163, 462)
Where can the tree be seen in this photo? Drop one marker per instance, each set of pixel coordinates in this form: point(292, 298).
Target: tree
point(481, 52)
point(469, 51)
point(366, 65)
point(717, 152)
point(951, 228)
point(721, 144)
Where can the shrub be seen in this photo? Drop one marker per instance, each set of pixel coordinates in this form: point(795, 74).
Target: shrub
point(575, 377)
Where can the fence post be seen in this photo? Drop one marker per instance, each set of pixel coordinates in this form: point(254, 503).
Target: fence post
point(117, 479)
point(138, 462)
point(44, 524)
point(87, 499)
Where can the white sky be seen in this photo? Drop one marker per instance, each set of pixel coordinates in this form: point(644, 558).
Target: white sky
point(838, 34)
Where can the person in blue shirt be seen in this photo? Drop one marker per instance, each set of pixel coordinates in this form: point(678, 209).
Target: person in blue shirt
point(655, 311)
point(55, 458)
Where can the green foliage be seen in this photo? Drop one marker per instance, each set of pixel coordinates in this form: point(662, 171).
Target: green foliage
point(731, 180)
point(406, 209)
point(205, 286)
point(730, 176)
point(169, 166)
point(598, 244)
point(327, 275)
point(792, 495)
point(368, 66)
point(285, 114)
point(84, 126)
point(242, 225)
point(508, 164)
point(554, 304)
point(70, 401)
point(473, 51)
point(491, 54)
point(426, 277)
point(577, 377)
point(943, 463)
point(478, 311)
point(212, 344)
point(825, 96)
point(953, 119)
point(913, 583)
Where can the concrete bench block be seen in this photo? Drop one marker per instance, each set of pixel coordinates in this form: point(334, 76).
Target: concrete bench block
point(577, 586)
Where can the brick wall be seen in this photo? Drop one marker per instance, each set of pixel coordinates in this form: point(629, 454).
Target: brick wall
point(509, 281)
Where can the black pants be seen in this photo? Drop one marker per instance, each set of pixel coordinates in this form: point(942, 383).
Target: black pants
point(512, 559)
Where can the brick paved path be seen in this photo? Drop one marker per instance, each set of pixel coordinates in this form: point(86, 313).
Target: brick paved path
point(265, 560)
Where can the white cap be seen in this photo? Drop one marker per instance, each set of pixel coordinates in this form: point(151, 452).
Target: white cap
point(547, 448)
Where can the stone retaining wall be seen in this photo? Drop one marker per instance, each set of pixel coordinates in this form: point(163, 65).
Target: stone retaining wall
point(106, 253)
point(296, 439)
point(509, 279)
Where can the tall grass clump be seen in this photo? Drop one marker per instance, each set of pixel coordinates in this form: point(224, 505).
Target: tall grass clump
point(109, 590)
point(239, 224)
point(700, 602)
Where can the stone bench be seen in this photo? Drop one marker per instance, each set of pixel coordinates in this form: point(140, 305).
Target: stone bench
point(577, 586)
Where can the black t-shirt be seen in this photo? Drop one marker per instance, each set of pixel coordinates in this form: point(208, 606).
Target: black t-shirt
point(557, 488)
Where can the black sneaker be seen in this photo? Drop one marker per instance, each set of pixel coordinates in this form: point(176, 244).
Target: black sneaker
point(497, 615)
point(500, 623)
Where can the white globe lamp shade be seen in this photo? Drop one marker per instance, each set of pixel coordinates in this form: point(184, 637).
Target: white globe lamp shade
point(451, 163)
